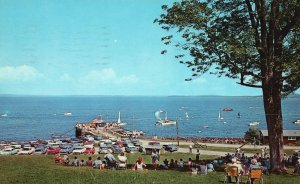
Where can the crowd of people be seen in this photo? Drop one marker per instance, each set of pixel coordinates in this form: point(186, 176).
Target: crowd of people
point(194, 166)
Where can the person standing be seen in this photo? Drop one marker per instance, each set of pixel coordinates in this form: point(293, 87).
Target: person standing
point(197, 155)
point(191, 148)
point(154, 158)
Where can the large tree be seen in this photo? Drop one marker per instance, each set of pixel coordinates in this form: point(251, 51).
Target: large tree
point(256, 42)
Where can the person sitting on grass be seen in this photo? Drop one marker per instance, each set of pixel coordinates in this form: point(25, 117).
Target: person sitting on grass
point(165, 164)
point(82, 163)
point(89, 162)
point(98, 164)
point(203, 168)
point(172, 164)
point(190, 163)
point(139, 164)
point(110, 160)
point(210, 166)
point(122, 160)
point(75, 162)
point(181, 164)
point(57, 158)
point(297, 167)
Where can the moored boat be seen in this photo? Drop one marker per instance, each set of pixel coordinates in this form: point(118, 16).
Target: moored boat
point(297, 122)
point(164, 121)
point(254, 123)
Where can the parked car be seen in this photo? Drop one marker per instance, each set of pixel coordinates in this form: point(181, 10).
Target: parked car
point(9, 151)
point(88, 144)
point(79, 150)
point(136, 142)
point(26, 151)
point(66, 149)
point(90, 150)
point(53, 150)
point(171, 148)
point(103, 149)
point(131, 148)
point(153, 143)
point(116, 149)
point(40, 150)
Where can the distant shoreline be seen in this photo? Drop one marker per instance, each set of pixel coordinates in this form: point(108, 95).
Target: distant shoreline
point(171, 96)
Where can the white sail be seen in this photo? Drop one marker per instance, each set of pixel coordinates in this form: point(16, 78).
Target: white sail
point(158, 113)
point(119, 119)
point(186, 115)
point(220, 117)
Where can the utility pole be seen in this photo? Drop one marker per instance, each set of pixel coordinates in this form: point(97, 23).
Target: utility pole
point(177, 131)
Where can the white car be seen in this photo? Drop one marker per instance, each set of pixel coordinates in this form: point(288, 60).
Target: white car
point(79, 150)
point(26, 151)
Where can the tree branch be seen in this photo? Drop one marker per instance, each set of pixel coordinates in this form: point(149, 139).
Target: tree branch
point(254, 24)
point(293, 21)
point(249, 85)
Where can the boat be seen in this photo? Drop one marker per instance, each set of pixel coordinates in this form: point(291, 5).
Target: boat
point(186, 115)
point(4, 115)
point(254, 123)
point(119, 122)
point(220, 116)
point(227, 109)
point(205, 126)
point(297, 122)
point(164, 121)
point(67, 113)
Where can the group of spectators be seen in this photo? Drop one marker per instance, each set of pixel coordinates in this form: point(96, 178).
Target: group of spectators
point(109, 161)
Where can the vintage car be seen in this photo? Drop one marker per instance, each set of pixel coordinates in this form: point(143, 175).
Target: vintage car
point(171, 148)
point(26, 150)
point(116, 149)
point(53, 150)
point(130, 148)
point(40, 149)
point(66, 148)
point(78, 150)
point(90, 150)
point(8, 151)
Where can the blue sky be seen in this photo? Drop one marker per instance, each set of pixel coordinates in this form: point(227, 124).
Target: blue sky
point(94, 47)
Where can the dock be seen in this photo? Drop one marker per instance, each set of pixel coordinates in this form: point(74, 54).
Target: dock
point(105, 129)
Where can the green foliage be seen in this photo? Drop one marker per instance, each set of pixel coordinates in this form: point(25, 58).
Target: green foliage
point(253, 135)
point(245, 40)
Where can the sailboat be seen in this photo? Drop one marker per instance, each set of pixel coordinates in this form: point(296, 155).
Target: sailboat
point(164, 121)
point(220, 116)
point(119, 122)
point(186, 115)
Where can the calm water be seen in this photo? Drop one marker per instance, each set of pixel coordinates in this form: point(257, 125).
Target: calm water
point(38, 117)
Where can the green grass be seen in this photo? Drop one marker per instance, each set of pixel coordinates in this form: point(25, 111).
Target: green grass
point(42, 169)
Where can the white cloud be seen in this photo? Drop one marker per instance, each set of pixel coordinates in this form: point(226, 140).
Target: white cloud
point(108, 76)
point(65, 77)
point(22, 73)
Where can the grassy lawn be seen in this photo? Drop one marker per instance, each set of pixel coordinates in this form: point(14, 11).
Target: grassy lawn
point(42, 169)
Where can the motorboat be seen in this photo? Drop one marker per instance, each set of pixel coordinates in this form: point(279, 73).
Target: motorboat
point(4, 115)
point(254, 123)
point(227, 109)
point(67, 113)
point(164, 121)
point(297, 122)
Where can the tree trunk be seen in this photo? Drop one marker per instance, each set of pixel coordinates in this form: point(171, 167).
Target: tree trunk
point(273, 113)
